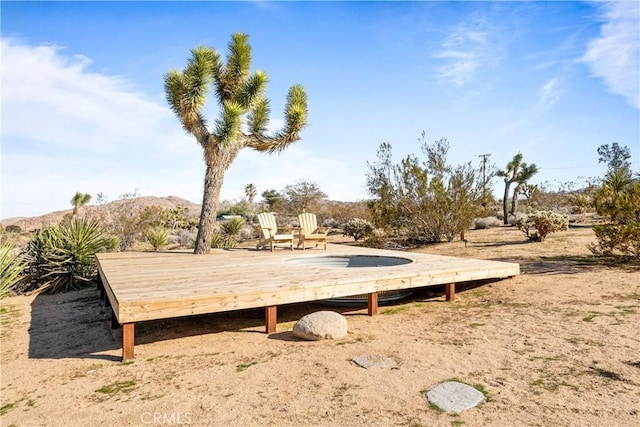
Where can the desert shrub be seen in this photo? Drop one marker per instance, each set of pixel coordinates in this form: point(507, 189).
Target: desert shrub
point(487, 222)
point(424, 201)
point(126, 223)
point(184, 238)
point(158, 237)
point(357, 228)
point(62, 258)
point(13, 229)
point(617, 240)
point(12, 266)
point(618, 199)
point(544, 223)
point(376, 240)
point(329, 223)
point(513, 219)
point(248, 232)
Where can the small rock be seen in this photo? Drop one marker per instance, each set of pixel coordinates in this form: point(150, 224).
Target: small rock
point(454, 396)
point(321, 325)
point(374, 361)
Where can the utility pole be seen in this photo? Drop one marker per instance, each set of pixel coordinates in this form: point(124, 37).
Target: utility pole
point(484, 179)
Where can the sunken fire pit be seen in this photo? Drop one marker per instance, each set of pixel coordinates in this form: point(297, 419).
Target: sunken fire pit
point(356, 261)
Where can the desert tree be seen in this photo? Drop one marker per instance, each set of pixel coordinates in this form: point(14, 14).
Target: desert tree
point(303, 195)
point(242, 122)
point(274, 199)
point(615, 156)
point(250, 191)
point(78, 200)
point(517, 172)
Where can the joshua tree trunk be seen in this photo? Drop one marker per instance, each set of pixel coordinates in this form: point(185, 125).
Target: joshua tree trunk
point(514, 199)
point(212, 186)
point(507, 184)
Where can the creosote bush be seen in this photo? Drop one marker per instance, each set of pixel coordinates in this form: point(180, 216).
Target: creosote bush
point(357, 228)
point(538, 225)
point(424, 201)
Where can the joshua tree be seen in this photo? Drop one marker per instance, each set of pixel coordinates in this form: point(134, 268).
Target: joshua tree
point(516, 171)
point(79, 200)
point(243, 119)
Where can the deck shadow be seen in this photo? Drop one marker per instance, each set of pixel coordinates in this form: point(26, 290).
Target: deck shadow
point(71, 325)
point(563, 264)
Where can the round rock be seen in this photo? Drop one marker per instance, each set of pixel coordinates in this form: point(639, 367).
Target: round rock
point(321, 325)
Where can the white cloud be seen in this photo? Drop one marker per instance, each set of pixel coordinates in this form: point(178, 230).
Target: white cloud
point(614, 56)
point(549, 94)
point(67, 129)
point(466, 51)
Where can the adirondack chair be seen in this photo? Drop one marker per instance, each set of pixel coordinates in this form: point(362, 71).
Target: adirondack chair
point(269, 233)
point(309, 230)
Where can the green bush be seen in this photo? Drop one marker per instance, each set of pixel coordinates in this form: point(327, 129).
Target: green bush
point(426, 201)
point(357, 228)
point(617, 240)
point(12, 266)
point(13, 229)
point(158, 237)
point(618, 199)
point(62, 258)
point(544, 223)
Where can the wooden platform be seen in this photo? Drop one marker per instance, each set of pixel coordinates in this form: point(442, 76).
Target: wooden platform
point(142, 286)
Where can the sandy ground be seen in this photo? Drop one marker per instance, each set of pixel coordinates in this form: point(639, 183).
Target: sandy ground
point(557, 346)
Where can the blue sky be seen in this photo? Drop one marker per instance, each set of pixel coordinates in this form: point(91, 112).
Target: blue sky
point(83, 106)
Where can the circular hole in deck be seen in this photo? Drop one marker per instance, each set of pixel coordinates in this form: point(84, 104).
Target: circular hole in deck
point(350, 261)
point(357, 261)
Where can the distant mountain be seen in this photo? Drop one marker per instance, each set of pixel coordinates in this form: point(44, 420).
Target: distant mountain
point(139, 203)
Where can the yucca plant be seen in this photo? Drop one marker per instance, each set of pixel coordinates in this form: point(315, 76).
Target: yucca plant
point(230, 230)
point(217, 241)
point(158, 237)
point(62, 258)
point(12, 266)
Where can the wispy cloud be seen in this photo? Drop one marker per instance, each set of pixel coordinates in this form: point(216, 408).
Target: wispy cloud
point(614, 56)
point(67, 129)
point(53, 99)
point(549, 94)
point(468, 49)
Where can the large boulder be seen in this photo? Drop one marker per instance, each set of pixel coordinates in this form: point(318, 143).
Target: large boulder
point(321, 325)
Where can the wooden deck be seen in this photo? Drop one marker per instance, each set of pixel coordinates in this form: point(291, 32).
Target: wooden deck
point(142, 286)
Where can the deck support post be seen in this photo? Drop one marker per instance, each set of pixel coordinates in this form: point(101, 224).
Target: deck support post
point(271, 318)
point(128, 334)
point(372, 303)
point(450, 291)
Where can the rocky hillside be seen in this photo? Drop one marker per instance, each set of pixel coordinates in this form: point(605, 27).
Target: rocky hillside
point(139, 203)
